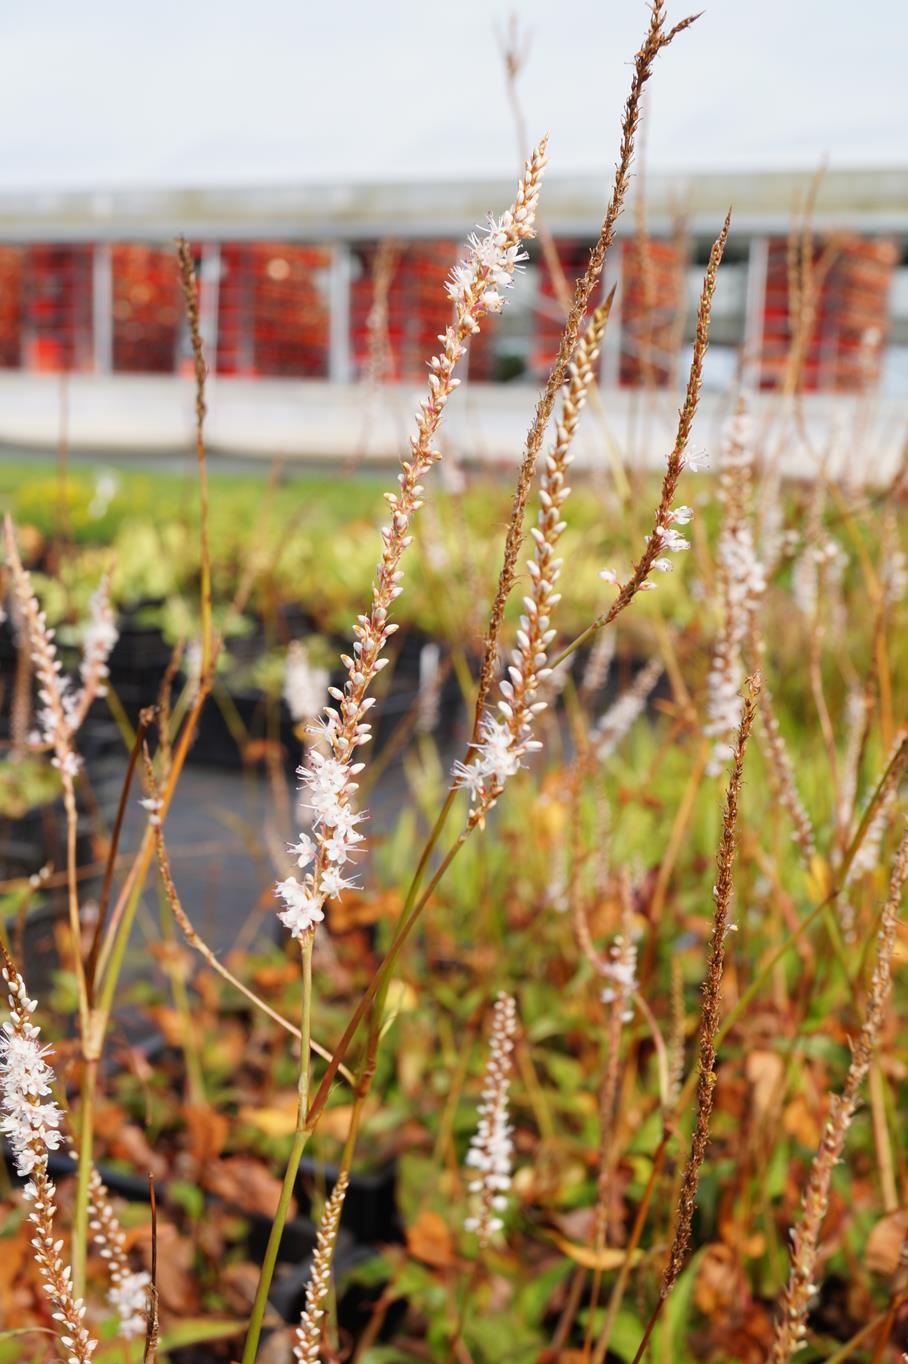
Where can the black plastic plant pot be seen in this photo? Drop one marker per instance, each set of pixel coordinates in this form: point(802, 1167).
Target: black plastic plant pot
point(39, 957)
point(214, 744)
point(288, 1291)
point(370, 1207)
point(288, 1298)
point(39, 836)
point(294, 1260)
point(138, 663)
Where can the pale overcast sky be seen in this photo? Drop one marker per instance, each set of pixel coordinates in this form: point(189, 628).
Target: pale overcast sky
point(107, 93)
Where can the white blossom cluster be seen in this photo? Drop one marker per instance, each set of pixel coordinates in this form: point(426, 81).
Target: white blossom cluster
point(620, 969)
point(894, 563)
point(106, 487)
point(741, 584)
point(30, 1119)
point(668, 540)
point(128, 1293)
point(505, 738)
point(328, 783)
point(305, 686)
point(895, 577)
point(855, 713)
point(497, 757)
point(31, 1122)
point(827, 558)
point(128, 1297)
point(428, 701)
point(498, 254)
point(492, 1147)
point(623, 713)
point(101, 634)
point(62, 707)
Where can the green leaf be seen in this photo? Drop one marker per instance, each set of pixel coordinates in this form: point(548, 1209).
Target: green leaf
point(193, 1332)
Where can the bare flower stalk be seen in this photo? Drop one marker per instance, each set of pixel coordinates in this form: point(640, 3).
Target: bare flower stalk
point(656, 39)
point(664, 536)
point(791, 1324)
point(476, 289)
point(709, 1024)
point(190, 288)
point(418, 896)
point(709, 1013)
point(308, 1347)
point(620, 969)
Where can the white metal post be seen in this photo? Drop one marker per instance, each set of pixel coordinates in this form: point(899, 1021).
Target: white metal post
point(210, 278)
point(339, 368)
point(102, 307)
point(757, 266)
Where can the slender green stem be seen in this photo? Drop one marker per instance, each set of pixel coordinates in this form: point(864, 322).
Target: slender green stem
point(83, 1177)
point(80, 1216)
point(465, 1299)
point(301, 1136)
point(620, 1284)
point(380, 978)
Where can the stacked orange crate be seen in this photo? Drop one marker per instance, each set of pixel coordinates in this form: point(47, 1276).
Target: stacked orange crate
point(853, 278)
point(778, 326)
point(273, 310)
point(423, 308)
point(290, 311)
point(147, 315)
point(652, 304)
point(10, 307)
point(860, 283)
point(57, 307)
point(235, 351)
point(776, 341)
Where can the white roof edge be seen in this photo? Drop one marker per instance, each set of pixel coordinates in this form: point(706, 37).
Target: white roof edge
point(874, 200)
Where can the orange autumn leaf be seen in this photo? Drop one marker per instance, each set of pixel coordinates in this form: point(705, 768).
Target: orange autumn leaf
point(208, 1131)
point(274, 1120)
point(612, 1257)
point(801, 1123)
point(429, 1239)
point(764, 1071)
point(885, 1243)
point(359, 911)
point(246, 1183)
